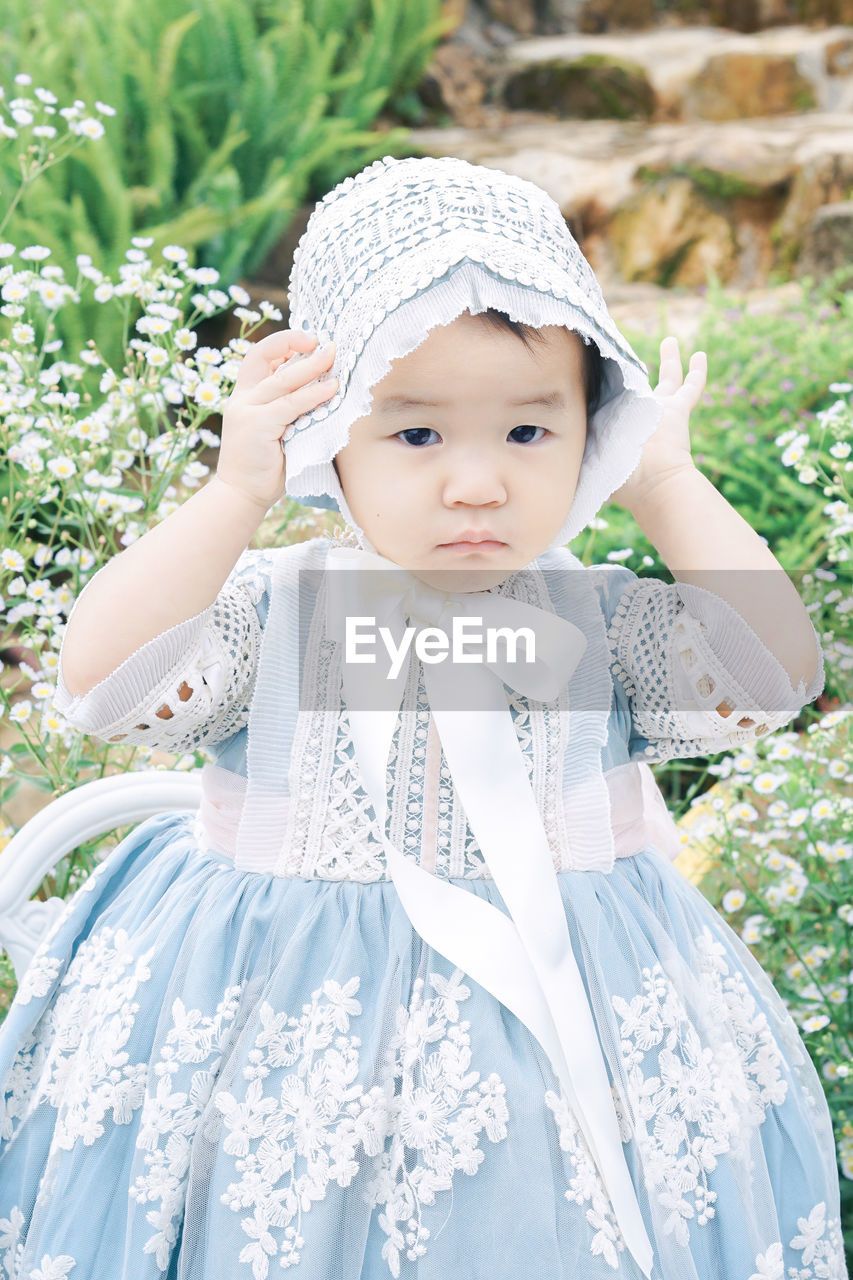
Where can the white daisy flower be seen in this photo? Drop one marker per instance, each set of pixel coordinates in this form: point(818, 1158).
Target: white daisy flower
point(196, 470)
point(203, 304)
point(14, 291)
point(766, 783)
point(12, 560)
point(62, 467)
point(185, 339)
point(88, 128)
point(208, 356)
point(208, 394)
point(733, 900)
point(204, 275)
point(21, 712)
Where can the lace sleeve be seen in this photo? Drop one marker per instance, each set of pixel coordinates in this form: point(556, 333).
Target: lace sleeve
point(189, 687)
point(697, 678)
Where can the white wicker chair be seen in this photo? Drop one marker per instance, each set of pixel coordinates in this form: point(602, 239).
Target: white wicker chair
point(92, 809)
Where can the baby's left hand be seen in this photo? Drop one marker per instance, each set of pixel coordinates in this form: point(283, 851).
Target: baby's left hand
point(668, 451)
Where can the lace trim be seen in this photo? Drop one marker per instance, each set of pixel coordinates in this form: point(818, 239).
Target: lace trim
point(192, 685)
point(683, 699)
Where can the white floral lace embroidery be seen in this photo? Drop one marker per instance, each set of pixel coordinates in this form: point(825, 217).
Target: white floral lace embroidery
point(820, 1242)
point(586, 1187)
point(74, 1058)
point(292, 1143)
point(170, 1116)
point(10, 1261)
point(690, 1110)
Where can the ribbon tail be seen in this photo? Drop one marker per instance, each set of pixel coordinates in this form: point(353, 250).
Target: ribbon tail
point(488, 768)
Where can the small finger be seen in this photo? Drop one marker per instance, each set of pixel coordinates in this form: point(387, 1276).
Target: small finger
point(670, 363)
point(271, 351)
point(292, 406)
point(292, 375)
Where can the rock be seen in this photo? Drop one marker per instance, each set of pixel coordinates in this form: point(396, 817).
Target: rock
point(597, 16)
point(698, 73)
point(734, 85)
point(453, 13)
point(838, 57)
point(737, 195)
point(455, 83)
point(522, 16)
point(670, 232)
point(823, 176)
point(828, 241)
point(592, 87)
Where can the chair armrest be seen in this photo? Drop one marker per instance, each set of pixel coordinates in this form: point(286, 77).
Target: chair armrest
point(92, 809)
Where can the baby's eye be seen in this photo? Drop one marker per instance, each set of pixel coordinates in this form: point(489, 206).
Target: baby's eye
point(415, 435)
point(526, 438)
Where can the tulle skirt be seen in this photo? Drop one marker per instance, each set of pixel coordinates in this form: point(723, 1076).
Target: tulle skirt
point(210, 1074)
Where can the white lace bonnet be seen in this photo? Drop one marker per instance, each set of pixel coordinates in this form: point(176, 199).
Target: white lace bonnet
point(409, 244)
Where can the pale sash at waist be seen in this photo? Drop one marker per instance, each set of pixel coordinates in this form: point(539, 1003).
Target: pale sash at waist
point(638, 813)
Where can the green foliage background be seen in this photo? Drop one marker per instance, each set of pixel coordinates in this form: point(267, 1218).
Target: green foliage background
point(229, 114)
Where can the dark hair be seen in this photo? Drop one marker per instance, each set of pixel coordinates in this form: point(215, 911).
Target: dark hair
point(593, 361)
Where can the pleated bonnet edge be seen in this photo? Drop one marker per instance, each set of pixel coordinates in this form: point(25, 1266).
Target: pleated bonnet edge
point(451, 266)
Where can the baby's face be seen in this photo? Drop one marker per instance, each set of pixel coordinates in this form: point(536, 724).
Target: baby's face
point(470, 435)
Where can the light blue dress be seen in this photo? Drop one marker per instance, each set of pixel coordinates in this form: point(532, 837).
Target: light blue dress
point(211, 1073)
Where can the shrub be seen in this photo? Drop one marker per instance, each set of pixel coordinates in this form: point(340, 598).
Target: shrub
point(779, 831)
point(225, 116)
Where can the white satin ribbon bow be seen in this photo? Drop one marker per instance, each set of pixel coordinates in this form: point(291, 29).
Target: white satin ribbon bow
point(525, 959)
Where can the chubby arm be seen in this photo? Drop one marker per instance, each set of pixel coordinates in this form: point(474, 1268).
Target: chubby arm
point(703, 541)
point(161, 647)
point(706, 543)
point(170, 576)
point(177, 569)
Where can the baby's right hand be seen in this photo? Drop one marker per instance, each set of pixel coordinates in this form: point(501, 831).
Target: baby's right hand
point(269, 393)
